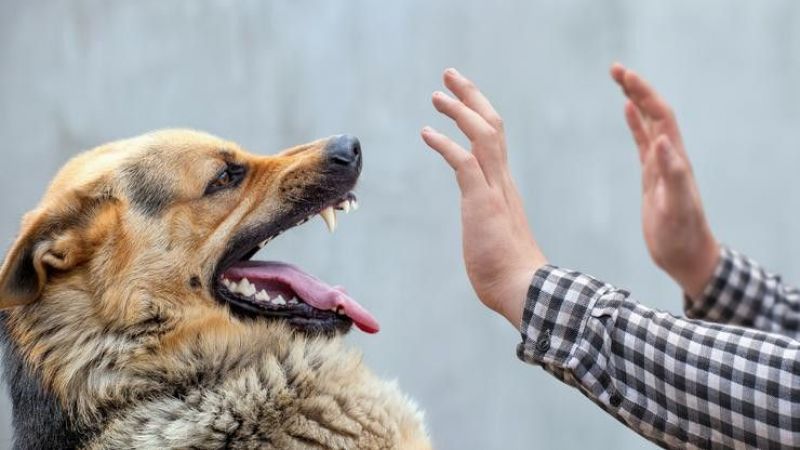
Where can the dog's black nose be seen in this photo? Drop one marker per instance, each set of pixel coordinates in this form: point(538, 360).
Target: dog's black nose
point(344, 150)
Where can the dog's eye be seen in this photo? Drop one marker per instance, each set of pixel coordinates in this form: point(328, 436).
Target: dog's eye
point(222, 180)
point(229, 177)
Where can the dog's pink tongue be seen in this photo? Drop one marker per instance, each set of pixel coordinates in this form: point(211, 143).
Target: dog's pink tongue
point(312, 290)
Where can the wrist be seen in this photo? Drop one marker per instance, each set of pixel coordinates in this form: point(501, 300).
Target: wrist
point(696, 275)
point(512, 305)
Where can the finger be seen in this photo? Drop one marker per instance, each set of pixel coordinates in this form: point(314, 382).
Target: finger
point(487, 142)
point(638, 129)
point(651, 172)
point(468, 172)
point(618, 74)
point(467, 120)
point(670, 166)
point(470, 95)
point(646, 98)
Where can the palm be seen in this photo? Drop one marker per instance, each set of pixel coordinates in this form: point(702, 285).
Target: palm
point(669, 219)
point(675, 229)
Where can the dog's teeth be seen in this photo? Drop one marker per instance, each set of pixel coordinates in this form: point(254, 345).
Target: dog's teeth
point(329, 216)
point(240, 288)
point(247, 288)
point(354, 204)
point(262, 295)
point(227, 283)
point(345, 206)
point(279, 300)
point(293, 301)
point(264, 243)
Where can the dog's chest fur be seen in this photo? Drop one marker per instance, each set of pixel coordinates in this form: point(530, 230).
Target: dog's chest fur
point(276, 390)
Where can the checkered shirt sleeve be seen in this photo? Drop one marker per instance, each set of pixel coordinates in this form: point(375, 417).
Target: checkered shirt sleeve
point(742, 293)
point(678, 382)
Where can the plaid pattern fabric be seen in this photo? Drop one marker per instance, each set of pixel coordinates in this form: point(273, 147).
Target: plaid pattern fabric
point(678, 382)
point(742, 293)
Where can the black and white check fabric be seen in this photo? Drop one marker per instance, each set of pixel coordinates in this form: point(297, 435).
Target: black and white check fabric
point(742, 293)
point(681, 383)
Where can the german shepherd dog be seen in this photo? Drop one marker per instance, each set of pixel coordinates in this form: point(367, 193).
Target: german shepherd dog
point(134, 318)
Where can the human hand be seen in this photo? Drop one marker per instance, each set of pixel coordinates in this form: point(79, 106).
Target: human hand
point(675, 227)
point(500, 252)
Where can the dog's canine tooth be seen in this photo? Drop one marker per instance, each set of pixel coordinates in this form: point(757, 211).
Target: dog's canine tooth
point(294, 301)
point(345, 206)
point(329, 216)
point(354, 204)
point(262, 295)
point(264, 243)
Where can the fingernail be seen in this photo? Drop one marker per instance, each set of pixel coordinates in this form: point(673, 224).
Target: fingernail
point(452, 71)
point(427, 129)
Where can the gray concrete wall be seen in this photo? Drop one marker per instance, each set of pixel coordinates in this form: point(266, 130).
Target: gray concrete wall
point(270, 74)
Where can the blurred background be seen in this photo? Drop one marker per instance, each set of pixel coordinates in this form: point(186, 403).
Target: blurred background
point(271, 74)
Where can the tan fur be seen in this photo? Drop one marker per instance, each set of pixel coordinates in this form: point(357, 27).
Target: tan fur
point(113, 325)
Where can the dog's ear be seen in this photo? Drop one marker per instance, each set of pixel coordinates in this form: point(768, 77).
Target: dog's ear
point(50, 241)
point(23, 273)
point(39, 248)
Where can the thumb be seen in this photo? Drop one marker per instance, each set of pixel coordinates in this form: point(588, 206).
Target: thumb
point(670, 165)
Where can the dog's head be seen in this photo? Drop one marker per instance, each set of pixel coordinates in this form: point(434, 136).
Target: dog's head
point(166, 224)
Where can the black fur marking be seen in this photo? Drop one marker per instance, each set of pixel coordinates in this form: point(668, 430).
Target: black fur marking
point(24, 279)
point(76, 217)
point(147, 193)
point(38, 420)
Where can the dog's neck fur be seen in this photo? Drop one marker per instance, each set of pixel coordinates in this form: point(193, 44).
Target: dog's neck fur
point(37, 412)
point(71, 378)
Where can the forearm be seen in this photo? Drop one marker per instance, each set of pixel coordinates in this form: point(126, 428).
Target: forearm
point(677, 382)
point(742, 293)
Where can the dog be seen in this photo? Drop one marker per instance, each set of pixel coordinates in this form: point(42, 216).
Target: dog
point(133, 316)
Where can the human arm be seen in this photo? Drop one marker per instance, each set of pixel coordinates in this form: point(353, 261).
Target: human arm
point(743, 293)
point(678, 382)
point(720, 284)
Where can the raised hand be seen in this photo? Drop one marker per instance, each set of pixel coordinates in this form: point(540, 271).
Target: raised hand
point(500, 252)
point(675, 227)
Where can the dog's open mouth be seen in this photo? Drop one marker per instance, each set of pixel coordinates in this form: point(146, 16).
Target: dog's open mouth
point(277, 290)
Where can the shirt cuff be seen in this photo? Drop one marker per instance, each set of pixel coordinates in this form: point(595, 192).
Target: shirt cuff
point(556, 310)
point(724, 290)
